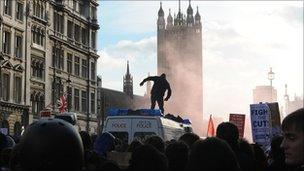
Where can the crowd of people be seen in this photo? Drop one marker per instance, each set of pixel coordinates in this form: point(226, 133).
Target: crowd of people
point(55, 145)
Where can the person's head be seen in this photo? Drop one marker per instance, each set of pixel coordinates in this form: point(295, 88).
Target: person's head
point(177, 154)
point(146, 157)
point(293, 142)
point(212, 154)
point(51, 144)
point(156, 142)
point(229, 132)
point(104, 143)
point(163, 76)
point(134, 144)
point(189, 138)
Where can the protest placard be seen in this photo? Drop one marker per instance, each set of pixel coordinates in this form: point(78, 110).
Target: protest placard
point(239, 121)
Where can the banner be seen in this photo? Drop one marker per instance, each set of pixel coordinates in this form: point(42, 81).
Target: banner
point(261, 125)
point(239, 121)
point(210, 130)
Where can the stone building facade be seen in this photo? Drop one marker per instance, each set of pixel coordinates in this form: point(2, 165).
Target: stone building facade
point(48, 50)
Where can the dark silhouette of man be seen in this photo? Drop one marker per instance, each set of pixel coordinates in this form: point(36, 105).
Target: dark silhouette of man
point(160, 86)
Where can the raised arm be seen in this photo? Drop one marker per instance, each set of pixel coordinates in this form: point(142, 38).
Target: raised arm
point(147, 79)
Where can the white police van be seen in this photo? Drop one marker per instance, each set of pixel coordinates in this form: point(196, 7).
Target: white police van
point(128, 126)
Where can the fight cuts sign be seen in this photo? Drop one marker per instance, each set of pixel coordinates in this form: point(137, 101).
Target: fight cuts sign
point(261, 124)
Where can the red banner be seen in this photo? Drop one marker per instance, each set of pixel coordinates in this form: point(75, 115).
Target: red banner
point(239, 121)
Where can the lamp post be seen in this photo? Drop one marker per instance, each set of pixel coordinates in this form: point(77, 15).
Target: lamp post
point(270, 78)
point(1, 59)
point(69, 93)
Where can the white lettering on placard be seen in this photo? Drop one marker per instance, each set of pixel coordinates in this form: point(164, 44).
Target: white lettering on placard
point(261, 124)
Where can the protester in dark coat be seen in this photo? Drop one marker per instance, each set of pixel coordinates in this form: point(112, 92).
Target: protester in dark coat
point(276, 155)
point(160, 86)
point(104, 143)
point(230, 133)
point(147, 158)
point(177, 154)
point(212, 154)
point(189, 139)
point(156, 142)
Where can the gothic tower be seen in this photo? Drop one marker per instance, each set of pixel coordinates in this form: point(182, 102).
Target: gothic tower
point(179, 56)
point(128, 82)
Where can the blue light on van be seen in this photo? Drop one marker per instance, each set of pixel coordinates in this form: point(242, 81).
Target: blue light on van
point(141, 112)
point(186, 121)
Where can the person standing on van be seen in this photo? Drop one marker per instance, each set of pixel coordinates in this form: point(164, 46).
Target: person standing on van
point(160, 86)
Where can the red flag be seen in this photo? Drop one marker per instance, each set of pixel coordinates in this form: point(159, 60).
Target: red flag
point(210, 131)
point(63, 104)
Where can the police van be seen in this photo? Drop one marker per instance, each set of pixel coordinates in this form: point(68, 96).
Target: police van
point(139, 125)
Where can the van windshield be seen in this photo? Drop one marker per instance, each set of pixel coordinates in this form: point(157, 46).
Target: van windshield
point(123, 136)
point(142, 136)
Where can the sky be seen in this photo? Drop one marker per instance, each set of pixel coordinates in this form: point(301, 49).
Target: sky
point(241, 41)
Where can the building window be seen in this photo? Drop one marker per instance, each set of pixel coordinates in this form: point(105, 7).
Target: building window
point(84, 68)
point(93, 75)
point(69, 63)
point(77, 33)
point(83, 101)
point(8, 7)
point(76, 99)
point(6, 42)
point(37, 68)
point(76, 66)
point(81, 7)
point(70, 29)
point(58, 60)
point(37, 102)
point(18, 46)
point(19, 11)
point(93, 39)
point(17, 89)
point(93, 13)
point(39, 9)
point(38, 35)
point(58, 22)
point(93, 102)
point(74, 5)
point(85, 34)
point(6, 87)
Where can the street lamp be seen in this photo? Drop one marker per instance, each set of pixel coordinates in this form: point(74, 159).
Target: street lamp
point(1, 59)
point(270, 76)
point(69, 93)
